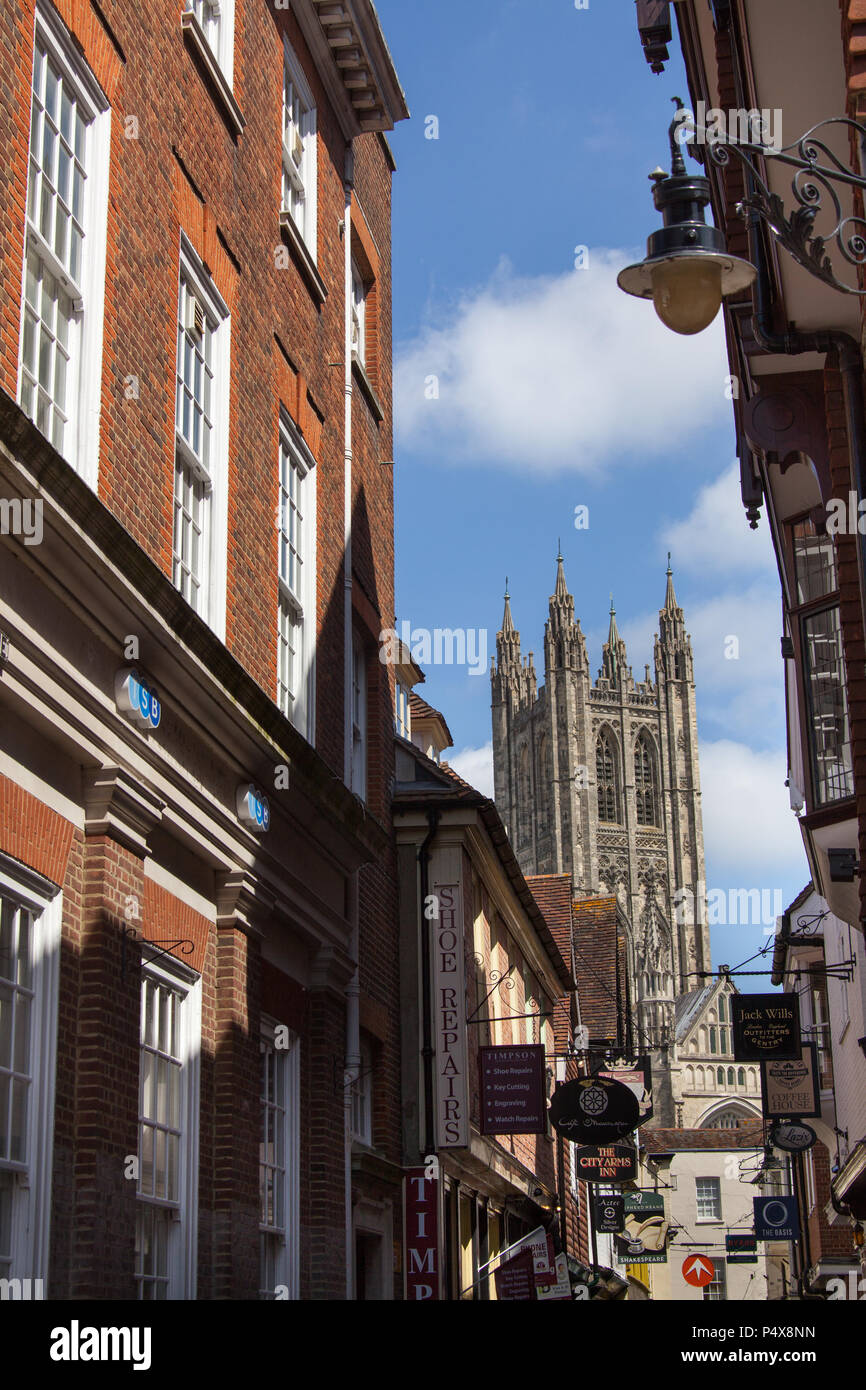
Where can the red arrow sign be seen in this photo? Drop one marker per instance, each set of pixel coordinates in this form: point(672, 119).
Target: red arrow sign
point(698, 1270)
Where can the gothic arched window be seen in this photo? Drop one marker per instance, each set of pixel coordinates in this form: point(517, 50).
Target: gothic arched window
point(644, 782)
point(524, 797)
point(606, 778)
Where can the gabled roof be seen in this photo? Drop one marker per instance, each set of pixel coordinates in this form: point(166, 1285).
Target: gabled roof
point(689, 1007)
point(597, 964)
point(422, 713)
point(656, 1141)
point(440, 787)
point(553, 892)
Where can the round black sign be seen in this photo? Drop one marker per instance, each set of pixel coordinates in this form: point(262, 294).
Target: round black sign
point(794, 1136)
point(594, 1110)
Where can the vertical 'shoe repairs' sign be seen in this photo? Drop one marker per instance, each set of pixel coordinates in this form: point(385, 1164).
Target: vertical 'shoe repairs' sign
point(449, 1004)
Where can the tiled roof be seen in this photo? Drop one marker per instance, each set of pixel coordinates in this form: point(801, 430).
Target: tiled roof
point(420, 710)
point(442, 787)
point(595, 964)
point(552, 892)
point(657, 1141)
point(687, 1008)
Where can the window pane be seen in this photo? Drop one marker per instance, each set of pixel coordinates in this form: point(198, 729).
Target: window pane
point(824, 673)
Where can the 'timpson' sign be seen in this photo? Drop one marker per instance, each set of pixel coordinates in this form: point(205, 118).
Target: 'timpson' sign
point(449, 1018)
point(421, 1226)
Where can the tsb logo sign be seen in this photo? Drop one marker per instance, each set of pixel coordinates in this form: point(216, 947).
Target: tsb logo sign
point(253, 809)
point(135, 698)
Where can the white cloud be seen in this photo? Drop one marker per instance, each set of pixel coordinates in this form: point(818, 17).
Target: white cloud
point(716, 535)
point(751, 835)
point(475, 766)
point(735, 693)
point(557, 373)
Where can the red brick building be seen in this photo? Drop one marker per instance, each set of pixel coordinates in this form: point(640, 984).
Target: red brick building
point(199, 1067)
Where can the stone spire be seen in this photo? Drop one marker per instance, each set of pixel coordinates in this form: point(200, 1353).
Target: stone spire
point(673, 646)
point(507, 638)
point(613, 662)
point(563, 640)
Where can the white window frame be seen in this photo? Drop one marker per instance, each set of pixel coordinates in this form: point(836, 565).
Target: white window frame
point(288, 1237)
point(31, 1178)
point(717, 1203)
point(304, 175)
point(84, 376)
point(359, 316)
point(183, 1223)
point(359, 718)
point(223, 11)
point(298, 605)
point(361, 1125)
point(718, 1283)
point(212, 605)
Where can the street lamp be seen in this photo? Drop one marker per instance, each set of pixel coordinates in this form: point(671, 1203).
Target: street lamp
point(688, 269)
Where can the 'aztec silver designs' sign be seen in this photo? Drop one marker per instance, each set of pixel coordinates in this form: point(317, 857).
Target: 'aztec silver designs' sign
point(449, 1012)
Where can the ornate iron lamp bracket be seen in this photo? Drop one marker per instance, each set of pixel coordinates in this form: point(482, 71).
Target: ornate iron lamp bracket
point(811, 181)
point(817, 173)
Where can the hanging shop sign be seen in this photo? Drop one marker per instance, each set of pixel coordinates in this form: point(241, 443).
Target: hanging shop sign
point(741, 1249)
point(515, 1279)
point(644, 1236)
point(421, 1235)
point(136, 700)
point(613, 1163)
point(776, 1218)
point(638, 1078)
point(253, 808)
point(792, 1088)
point(449, 1009)
point(561, 1289)
point(540, 1246)
point(609, 1212)
point(594, 1110)
point(766, 1027)
point(793, 1136)
point(513, 1090)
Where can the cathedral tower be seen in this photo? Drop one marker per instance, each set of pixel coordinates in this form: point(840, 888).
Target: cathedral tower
point(600, 779)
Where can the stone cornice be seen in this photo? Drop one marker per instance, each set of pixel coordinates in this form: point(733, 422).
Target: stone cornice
point(118, 806)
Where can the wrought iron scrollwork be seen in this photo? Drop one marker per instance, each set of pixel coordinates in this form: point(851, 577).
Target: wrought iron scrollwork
point(817, 170)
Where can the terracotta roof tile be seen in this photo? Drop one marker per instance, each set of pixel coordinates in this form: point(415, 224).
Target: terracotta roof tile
point(750, 1136)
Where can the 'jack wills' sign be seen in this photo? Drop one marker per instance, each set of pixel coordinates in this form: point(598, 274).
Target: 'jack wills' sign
point(766, 1027)
point(449, 1015)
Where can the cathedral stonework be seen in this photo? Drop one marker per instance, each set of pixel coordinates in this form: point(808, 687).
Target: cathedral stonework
point(600, 779)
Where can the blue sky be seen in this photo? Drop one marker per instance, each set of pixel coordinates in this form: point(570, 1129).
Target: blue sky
point(555, 391)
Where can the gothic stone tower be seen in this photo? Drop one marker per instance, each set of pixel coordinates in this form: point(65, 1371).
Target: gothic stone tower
point(600, 779)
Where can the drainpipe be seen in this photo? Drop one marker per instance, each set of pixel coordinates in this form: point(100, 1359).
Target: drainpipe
point(429, 1146)
point(792, 343)
point(353, 989)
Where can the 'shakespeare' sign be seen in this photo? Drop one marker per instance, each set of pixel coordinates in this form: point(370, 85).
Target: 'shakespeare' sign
point(766, 1027)
point(513, 1090)
point(421, 1227)
point(449, 1017)
point(792, 1088)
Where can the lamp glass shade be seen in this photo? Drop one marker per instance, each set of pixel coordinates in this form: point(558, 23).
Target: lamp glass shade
point(687, 292)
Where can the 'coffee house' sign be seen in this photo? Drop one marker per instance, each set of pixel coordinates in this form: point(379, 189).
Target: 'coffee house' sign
point(766, 1027)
